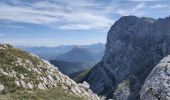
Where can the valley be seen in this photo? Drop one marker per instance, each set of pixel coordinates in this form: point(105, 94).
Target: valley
point(70, 59)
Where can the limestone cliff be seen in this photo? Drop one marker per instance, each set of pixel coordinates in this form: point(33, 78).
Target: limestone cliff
point(134, 46)
point(157, 84)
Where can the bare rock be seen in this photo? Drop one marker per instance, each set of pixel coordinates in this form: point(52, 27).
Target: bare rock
point(134, 46)
point(1, 88)
point(157, 84)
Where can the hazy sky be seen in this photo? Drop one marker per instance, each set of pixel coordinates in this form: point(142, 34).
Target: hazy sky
point(56, 22)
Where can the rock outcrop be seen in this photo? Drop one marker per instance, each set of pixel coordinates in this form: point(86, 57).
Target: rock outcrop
point(22, 70)
point(1, 88)
point(157, 84)
point(134, 46)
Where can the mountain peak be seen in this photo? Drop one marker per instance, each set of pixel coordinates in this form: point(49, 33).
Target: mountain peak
point(77, 54)
point(132, 18)
point(134, 46)
point(77, 47)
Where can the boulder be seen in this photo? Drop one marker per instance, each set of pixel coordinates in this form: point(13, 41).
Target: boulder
point(157, 84)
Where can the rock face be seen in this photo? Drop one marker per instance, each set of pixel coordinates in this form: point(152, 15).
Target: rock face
point(157, 84)
point(134, 46)
point(22, 70)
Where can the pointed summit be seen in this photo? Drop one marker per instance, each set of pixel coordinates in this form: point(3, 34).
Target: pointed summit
point(77, 54)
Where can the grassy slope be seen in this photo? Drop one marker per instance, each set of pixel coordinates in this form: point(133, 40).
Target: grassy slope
point(11, 92)
point(78, 76)
point(51, 94)
point(7, 57)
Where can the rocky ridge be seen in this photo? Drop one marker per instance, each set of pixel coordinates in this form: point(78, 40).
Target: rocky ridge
point(157, 84)
point(134, 46)
point(22, 70)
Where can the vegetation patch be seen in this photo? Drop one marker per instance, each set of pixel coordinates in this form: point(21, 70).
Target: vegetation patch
point(50, 94)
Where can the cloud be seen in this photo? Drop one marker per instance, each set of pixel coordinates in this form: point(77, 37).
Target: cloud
point(132, 11)
point(144, 0)
point(12, 26)
point(139, 6)
point(25, 14)
point(55, 12)
point(77, 15)
point(84, 26)
point(158, 6)
point(88, 21)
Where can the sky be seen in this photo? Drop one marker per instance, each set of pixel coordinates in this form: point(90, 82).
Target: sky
point(67, 22)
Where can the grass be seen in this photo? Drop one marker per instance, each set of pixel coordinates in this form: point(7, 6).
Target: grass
point(78, 76)
point(9, 55)
point(12, 92)
point(81, 75)
point(7, 59)
point(50, 94)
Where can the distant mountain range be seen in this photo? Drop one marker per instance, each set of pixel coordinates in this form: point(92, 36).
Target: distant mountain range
point(70, 58)
point(50, 53)
point(47, 52)
point(77, 59)
point(77, 54)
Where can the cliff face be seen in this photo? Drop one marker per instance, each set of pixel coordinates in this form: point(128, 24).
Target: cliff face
point(134, 46)
point(157, 84)
point(20, 70)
